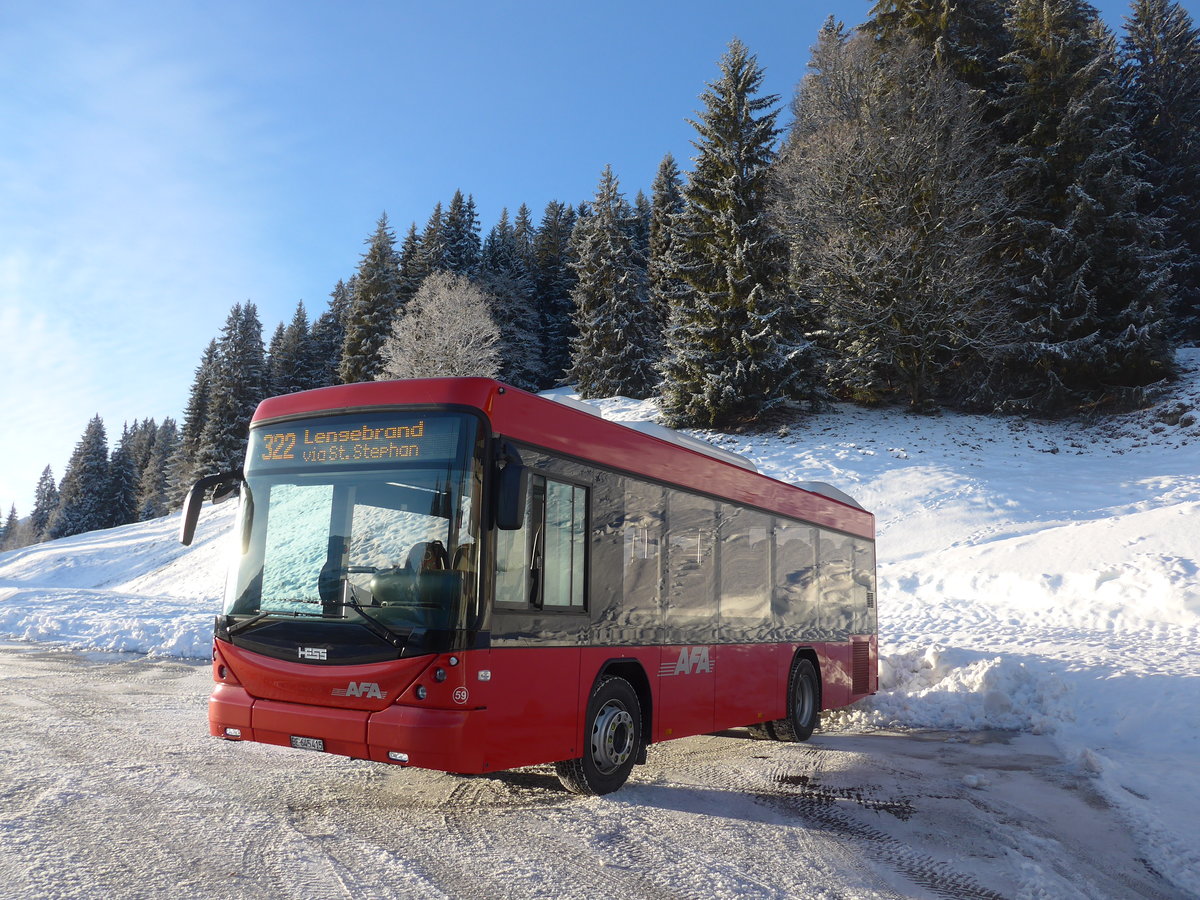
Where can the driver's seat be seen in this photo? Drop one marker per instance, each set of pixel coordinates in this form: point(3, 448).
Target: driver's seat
point(428, 556)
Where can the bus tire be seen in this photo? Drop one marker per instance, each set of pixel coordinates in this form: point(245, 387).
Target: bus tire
point(612, 740)
point(804, 704)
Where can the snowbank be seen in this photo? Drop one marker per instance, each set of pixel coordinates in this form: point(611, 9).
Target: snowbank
point(134, 588)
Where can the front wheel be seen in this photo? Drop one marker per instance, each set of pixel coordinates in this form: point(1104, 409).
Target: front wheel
point(804, 703)
point(613, 737)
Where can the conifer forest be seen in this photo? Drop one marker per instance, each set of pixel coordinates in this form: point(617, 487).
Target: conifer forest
point(985, 205)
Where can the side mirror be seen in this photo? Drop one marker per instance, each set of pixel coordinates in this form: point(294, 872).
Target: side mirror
point(225, 483)
point(511, 480)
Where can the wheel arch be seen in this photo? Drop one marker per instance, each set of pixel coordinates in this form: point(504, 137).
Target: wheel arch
point(811, 655)
point(632, 671)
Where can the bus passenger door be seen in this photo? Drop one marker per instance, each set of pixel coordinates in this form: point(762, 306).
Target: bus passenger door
point(539, 619)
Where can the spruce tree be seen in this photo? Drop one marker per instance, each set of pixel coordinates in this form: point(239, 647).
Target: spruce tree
point(507, 282)
point(154, 498)
point(273, 379)
point(524, 237)
point(376, 302)
point(291, 362)
point(122, 483)
point(1160, 72)
point(141, 444)
point(460, 236)
point(666, 205)
point(966, 37)
point(639, 227)
point(733, 352)
point(433, 243)
point(553, 280)
point(328, 334)
point(413, 270)
point(182, 469)
point(45, 501)
point(1091, 283)
point(238, 386)
point(9, 531)
point(615, 350)
point(82, 495)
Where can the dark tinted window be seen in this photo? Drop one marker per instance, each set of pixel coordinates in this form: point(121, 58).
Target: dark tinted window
point(642, 534)
point(745, 545)
point(564, 544)
point(795, 599)
point(691, 563)
point(836, 580)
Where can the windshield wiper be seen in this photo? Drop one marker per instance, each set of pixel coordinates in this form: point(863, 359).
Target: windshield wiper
point(233, 628)
point(397, 639)
point(376, 627)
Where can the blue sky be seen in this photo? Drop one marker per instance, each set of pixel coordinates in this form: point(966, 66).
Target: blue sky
point(163, 161)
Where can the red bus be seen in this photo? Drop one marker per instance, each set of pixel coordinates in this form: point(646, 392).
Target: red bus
point(459, 575)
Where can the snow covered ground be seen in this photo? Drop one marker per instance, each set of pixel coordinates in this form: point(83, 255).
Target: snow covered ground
point(1038, 577)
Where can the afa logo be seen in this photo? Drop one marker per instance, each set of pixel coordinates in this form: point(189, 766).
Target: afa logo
point(691, 661)
point(360, 689)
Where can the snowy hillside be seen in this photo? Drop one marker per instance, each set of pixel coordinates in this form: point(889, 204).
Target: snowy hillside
point(1038, 577)
point(134, 588)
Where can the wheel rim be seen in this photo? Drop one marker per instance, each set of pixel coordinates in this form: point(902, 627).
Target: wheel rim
point(805, 700)
point(612, 737)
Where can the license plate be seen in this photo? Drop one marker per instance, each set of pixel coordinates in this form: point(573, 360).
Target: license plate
point(303, 743)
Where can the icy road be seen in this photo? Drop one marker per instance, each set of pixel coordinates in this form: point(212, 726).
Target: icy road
point(111, 787)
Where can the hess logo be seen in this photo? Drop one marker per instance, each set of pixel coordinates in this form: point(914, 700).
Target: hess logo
point(360, 689)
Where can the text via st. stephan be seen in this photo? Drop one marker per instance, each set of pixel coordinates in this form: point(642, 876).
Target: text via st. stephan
point(356, 444)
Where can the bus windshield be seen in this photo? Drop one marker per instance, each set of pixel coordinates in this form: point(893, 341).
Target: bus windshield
point(372, 519)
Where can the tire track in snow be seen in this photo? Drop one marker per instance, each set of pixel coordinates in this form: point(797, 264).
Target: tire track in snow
point(795, 793)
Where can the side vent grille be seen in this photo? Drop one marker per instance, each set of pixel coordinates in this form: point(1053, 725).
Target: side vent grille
point(870, 599)
point(860, 668)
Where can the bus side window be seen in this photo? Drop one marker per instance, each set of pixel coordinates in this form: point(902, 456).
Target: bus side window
point(565, 544)
point(745, 574)
point(835, 580)
point(642, 529)
point(544, 563)
point(796, 602)
point(514, 551)
point(690, 604)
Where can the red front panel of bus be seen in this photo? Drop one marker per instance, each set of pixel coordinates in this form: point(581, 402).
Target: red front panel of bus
point(363, 711)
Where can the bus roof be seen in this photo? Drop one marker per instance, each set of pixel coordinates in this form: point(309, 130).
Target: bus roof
point(661, 431)
point(564, 428)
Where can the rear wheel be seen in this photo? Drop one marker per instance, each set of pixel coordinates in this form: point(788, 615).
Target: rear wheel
point(613, 737)
point(804, 703)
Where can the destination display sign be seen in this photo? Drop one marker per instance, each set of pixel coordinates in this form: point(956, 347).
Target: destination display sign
point(367, 439)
